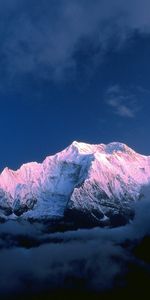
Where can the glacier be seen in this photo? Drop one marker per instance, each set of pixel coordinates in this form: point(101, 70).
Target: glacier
point(84, 184)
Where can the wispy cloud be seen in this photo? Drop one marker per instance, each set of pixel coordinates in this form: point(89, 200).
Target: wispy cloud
point(123, 103)
point(45, 38)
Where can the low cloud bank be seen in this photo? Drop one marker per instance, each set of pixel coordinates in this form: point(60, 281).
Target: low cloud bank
point(95, 259)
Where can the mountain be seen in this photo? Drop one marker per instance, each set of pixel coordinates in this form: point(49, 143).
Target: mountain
point(84, 184)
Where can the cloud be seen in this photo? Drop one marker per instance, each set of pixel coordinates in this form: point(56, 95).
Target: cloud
point(51, 40)
point(122, 102)
point(96, 259)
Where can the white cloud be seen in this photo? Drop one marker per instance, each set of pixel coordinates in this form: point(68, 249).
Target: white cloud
point(123, 103)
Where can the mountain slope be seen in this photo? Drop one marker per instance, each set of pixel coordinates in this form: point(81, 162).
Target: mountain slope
point(96, 183)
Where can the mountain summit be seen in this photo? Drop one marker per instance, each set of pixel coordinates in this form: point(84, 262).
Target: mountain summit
point(86, 184)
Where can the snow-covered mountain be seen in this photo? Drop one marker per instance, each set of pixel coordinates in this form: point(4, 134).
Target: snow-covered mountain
point(96, 183)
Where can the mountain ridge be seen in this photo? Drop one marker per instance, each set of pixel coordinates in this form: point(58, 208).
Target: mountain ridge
point(95, 182)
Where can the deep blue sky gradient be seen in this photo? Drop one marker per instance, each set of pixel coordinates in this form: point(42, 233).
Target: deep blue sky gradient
point(41, 113)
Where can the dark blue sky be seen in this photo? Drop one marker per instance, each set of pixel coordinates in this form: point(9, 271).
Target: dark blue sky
point(73, 70)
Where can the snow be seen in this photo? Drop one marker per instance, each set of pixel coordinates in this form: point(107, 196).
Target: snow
point(115, 147)
point(82, 177)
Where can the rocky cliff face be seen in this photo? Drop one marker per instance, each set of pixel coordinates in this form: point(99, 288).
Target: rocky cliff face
point(90, 184)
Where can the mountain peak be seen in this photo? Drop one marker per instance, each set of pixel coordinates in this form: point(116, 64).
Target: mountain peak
point(83, 147)
point(95, 179)
point(117, 147)
point(103, 148)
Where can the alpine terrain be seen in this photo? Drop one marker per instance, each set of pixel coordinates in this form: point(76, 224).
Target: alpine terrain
point(84, 184)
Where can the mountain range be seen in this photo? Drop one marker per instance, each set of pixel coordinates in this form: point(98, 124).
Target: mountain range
point(85, 184)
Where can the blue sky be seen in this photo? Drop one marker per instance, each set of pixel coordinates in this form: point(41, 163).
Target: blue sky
point(73, 70)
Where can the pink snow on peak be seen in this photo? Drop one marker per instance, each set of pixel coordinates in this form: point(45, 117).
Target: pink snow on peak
point(112, 168)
